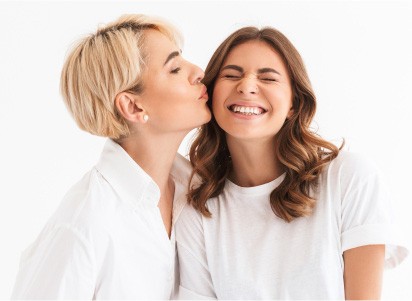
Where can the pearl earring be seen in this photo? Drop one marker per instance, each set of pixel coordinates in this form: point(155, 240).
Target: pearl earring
point(145, 117)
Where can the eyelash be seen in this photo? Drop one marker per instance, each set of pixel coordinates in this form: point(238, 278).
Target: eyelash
point(175, 71)
point(230, 76)
point(237, 77)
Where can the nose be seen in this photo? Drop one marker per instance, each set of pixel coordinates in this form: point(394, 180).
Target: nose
point(247, 85)
point(196, 75)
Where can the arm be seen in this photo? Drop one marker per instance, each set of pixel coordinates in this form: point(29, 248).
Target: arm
point(57, 266)
point(363, 272)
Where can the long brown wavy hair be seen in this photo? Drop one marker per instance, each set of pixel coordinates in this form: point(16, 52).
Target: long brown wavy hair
point(301, 151)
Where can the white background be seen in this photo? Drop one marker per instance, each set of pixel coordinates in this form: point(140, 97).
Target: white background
point(358, 55)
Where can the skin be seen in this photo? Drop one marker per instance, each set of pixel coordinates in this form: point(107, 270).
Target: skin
point(364, 272)
point(251, 141)
point(175, 102)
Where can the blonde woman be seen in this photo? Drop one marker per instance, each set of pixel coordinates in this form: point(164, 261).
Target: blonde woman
point(277, 212)
point(112, 236)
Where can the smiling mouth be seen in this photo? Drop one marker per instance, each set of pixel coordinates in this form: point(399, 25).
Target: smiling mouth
point(247, 110)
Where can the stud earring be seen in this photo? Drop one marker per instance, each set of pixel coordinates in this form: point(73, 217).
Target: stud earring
point(145, 117)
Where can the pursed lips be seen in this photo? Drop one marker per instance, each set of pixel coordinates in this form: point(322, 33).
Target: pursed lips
point(203, 94)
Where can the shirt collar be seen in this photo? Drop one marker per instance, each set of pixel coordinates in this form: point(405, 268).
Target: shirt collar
point(126, 177)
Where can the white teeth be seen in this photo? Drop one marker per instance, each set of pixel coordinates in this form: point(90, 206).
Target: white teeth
point(247, 110)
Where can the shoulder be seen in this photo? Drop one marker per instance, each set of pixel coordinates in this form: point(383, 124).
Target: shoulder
point(352, 165)
point(358, 183)
point(88, 205)
point(351, 174)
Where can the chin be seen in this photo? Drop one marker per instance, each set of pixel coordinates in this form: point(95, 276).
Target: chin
point(204, 119)
point(209, 117)
point(198, 123)
point(248, 135)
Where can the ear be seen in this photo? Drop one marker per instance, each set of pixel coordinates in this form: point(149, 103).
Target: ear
point(130, 107)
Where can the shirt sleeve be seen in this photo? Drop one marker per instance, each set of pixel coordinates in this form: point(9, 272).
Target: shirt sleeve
point(195, 278)
point(367, 213)
point(57, 266)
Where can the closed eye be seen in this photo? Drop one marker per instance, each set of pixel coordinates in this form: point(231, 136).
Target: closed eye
point(176, 70)
point(231, 76)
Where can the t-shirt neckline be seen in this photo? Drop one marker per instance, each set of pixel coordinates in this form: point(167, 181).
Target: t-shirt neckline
point(256, 190)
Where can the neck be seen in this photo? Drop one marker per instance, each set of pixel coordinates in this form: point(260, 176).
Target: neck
point(154, 154)
point(253, 162)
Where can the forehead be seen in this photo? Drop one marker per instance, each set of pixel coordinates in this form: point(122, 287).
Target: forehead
point(158, 46)
point(255, 55)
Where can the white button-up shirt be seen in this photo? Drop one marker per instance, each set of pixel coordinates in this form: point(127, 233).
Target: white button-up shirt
point(107, 239)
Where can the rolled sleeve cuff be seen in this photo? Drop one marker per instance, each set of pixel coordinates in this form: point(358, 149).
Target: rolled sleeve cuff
point(377, 234)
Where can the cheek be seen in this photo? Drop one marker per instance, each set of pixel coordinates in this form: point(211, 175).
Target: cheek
point(282, 99)
point(217, 108)
point(218, 98)
point(177, 91)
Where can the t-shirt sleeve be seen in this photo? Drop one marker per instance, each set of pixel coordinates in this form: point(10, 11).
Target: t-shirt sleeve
point(57, 266)
point(195, 279)
point(367, 213)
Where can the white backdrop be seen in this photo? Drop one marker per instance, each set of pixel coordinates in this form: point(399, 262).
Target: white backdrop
point(358, 55)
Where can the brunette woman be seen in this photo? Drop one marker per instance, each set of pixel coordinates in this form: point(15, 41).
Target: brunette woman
point(277, 212)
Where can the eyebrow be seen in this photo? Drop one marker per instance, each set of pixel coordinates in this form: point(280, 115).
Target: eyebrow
point(240, 69)
point(171, 56)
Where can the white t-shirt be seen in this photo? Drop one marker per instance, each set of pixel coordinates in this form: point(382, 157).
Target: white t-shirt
point(107, 239)
point(245, 252)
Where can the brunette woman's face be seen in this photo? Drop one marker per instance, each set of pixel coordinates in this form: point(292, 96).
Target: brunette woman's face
point(252, 96)
point(173, 96)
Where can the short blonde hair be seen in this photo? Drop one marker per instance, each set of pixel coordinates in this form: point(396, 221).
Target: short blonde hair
point(104, 64)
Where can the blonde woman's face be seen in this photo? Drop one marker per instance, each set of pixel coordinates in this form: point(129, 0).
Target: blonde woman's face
point(173, 96)
point(252, 96)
